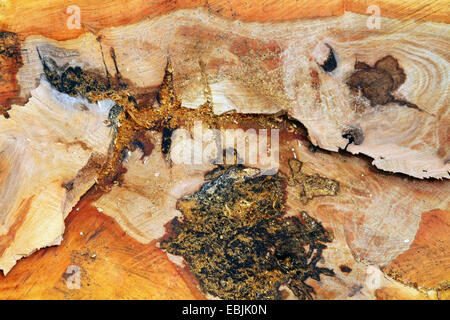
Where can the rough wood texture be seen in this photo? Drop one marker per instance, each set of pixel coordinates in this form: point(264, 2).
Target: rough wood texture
point(257, 68)
point(115, 12)
point(371, 227)
point(95, 107)
point(51, 149)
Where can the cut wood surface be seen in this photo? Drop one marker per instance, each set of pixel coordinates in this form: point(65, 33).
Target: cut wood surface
point(428, 251)
point(112, 265)
point(364, 146)
point(262, 68)
point(371, 227)
point(51, 19)
point(51, 149)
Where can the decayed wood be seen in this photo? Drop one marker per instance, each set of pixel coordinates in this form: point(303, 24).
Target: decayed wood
point(371, 227)
point(267, 68)
point(114, 265)
point(115, 12)
point(58, 144)
point(146, 198)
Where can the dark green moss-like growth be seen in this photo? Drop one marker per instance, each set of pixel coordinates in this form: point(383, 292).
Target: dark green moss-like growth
point(237, 242)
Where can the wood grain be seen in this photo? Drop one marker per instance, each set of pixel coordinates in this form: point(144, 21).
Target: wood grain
point(391, 231)
point(112, 264)
point(50, 19)
point(51, 150)
point(264, 68)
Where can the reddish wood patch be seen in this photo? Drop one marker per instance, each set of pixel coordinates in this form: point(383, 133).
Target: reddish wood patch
point(112, 264)
point(426, 263)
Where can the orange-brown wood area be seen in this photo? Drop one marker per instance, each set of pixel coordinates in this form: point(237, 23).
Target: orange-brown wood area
point(426, 263)
point(399, 294)
point(50, 19)
point(112, 265)
point(10, 62)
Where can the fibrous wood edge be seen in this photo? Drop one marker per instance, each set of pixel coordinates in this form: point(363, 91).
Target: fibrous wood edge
point(227, 92)
point(51, 151)
point(265, 68)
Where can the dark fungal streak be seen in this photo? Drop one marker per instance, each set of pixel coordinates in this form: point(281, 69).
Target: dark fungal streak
point(68, 185)
point(350, 140)
point(72, 80)
point(345, 269)
point(408, 104)
point(312, 148)
point(330, 64)
point(236, 240)
point(354, 134)
point(143, 142)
